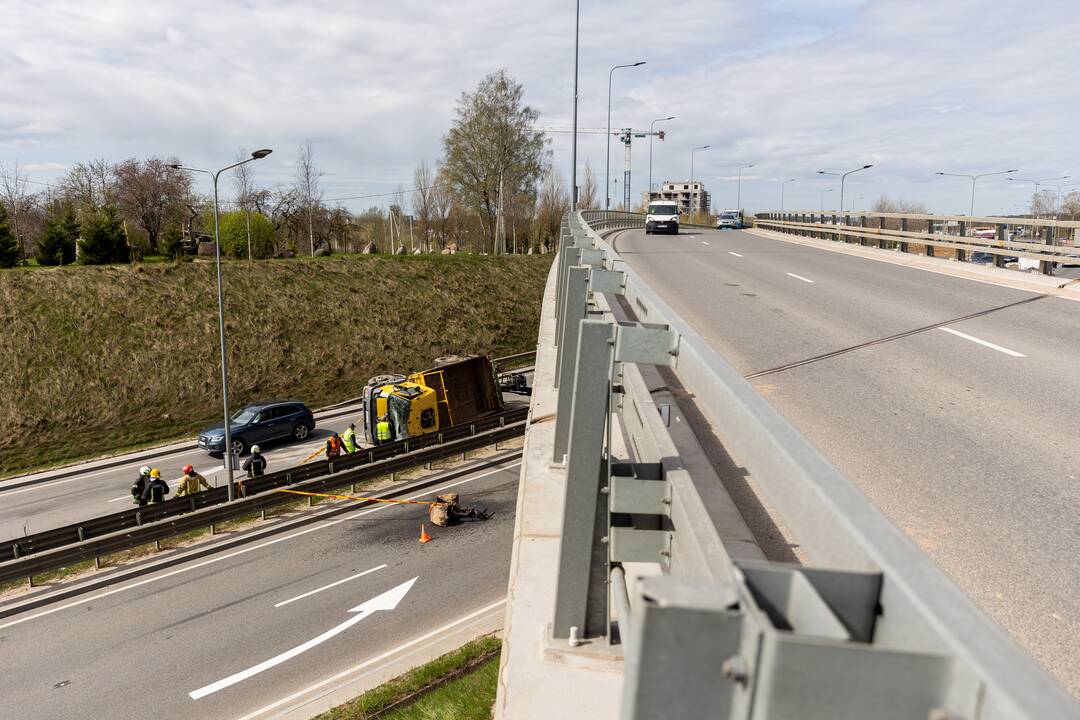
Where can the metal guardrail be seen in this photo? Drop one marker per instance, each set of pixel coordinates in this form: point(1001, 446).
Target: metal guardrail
point(871, 630)
point(372, 461)
point(874, 228)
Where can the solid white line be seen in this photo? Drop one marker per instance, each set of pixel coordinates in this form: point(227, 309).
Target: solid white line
point(734, 253)
point(800, 277)
point(375, 660)
point(219, 558)
point(327, 587)
point(990, 345)
point(122, 497)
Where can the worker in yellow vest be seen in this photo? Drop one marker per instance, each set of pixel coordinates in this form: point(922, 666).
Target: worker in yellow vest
point(349, 438)
point(382, 430)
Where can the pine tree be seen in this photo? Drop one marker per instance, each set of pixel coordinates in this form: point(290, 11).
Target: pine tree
point(57, 243)
point(10, 253)
point(102, 239)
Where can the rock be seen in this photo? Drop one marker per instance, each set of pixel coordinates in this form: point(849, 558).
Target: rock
point(400, 250)
point(369, 249)
point(322, 250)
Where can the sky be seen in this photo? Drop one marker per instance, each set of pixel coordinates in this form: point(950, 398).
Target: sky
point(792, 87)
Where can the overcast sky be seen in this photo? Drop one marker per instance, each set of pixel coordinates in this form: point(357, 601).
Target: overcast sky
point(792, 86)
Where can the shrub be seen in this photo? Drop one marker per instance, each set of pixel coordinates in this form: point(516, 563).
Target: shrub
point(10, 253)
point(57, 243)
point(234, 238)
point(102, 240)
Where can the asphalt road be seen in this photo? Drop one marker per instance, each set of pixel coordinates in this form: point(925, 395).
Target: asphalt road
point(97, 492)
point(964, 435)
point(167, 644)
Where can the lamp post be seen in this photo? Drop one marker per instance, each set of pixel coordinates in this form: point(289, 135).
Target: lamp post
point(651, 125)
point(973, 178)
point(607, 159)
point(782, 184)
point(823, 198)
point(853, 201)
point(703, 147)
point(1037, 183)
point(227, 448)
point(738, 191)
point(843, 177)
point(573, 141)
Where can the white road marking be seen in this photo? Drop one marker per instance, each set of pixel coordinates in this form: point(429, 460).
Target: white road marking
point(327, 587)
point(990, 345)
point(734, 253)
point(375, 660)
point(800, 277)
point(122, 497)
point(242, 551)
point(703, 242)
point(387, 601)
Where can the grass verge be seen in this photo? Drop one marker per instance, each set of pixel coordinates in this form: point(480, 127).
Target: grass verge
point(457, 686)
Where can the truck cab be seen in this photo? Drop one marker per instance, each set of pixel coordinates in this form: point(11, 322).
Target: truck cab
point(662, 216)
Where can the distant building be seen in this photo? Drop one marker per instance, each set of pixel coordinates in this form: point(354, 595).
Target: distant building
point(691, 197)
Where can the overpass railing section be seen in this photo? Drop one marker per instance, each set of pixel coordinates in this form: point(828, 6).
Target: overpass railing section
point(869, 629)
point(1046, 243)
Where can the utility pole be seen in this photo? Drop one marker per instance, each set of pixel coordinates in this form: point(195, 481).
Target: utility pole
point(573, 142)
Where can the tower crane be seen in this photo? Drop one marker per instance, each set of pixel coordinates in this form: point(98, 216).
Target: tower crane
point(626, 136)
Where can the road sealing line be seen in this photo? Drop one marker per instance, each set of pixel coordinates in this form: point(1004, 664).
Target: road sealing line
point(734, 253)
point(375, 660)
point(327, 587)
point(218, 558)
point(800, 277)
point(990, 345)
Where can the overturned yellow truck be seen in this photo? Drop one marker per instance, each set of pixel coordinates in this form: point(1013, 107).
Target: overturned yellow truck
point(453, 392)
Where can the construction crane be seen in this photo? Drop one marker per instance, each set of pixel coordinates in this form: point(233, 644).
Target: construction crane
point(626, 136)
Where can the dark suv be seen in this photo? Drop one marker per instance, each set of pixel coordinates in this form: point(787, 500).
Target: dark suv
point(259, 423)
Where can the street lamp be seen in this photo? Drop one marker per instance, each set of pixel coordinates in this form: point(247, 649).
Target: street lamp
point(227, 448)
point(607, 160)
point(738, 192)
point(650, 149)
point(573, 142)
point(782, 184)
point(1037, 183)
point(703, 147)
point(853, 201)
point(973, 178)
point(823, 198)
point(843, 177)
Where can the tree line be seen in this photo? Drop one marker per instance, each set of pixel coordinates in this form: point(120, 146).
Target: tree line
point(494, 190)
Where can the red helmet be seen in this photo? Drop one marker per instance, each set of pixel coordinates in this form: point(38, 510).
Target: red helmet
point(187, 469)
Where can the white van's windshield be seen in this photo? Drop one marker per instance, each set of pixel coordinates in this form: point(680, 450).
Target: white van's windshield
point(662, 209)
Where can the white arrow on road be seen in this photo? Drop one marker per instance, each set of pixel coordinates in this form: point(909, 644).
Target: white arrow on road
point(387, 601)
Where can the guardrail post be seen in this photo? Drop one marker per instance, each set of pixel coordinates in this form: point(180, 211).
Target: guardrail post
point(903, 228)
point(930, 232)
point(81, 534)
point(581, 599)
point(881, 238)
point(577, 286)
point(1046, 267)
point(999, 260)
point(961, 255)
point(836, 230)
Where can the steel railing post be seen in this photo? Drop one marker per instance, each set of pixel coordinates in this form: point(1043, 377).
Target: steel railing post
point(577, 285)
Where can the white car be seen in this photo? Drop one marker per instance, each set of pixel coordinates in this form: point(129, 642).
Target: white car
point(729, 220)
point(662, 216)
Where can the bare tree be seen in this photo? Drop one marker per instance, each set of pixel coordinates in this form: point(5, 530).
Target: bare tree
point(423, 202)
point(243, 181)
point(1070, 206)
point(88, 185)
point(13, 182)
point(1043, 204)
point(551, 205)
point(152, 193)
point(308, 188)
point(587, 197)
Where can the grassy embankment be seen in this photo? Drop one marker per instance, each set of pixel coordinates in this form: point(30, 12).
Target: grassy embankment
point(102, 358)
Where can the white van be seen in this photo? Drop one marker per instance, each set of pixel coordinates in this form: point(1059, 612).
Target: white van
point(662, 216)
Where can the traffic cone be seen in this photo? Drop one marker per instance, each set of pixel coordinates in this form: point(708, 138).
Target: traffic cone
point(424, 537)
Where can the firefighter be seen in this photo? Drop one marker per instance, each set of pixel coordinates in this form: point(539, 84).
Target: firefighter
point(191, 483)
point(255, 467)
point(138, 488)
point(334, 446)
point(382, 430)
point(349, 438)
point(156, 489)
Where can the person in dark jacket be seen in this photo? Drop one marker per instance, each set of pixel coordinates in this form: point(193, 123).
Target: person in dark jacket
point(138, 488)
point(255, 467)
point(156, 489)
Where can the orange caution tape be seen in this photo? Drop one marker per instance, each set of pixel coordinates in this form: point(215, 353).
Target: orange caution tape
point(357, 497)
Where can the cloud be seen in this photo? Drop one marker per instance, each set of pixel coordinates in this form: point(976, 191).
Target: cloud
point(913, 86)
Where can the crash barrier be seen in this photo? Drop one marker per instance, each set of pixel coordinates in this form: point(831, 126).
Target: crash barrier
point(870, 628)
point(1051, 241)
point(446, 442)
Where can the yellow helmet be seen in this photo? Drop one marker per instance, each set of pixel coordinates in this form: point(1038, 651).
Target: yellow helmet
point(155, 473)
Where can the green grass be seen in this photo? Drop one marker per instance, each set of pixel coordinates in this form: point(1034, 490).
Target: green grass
point(422, 694)
point(99, 358)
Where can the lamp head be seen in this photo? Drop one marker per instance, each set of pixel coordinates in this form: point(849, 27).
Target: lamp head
point(867, 166)
point(260, 154)
point(639, 62)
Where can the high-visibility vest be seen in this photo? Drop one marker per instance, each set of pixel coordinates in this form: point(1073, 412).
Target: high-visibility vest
point(333, 444)
point(350, 440)
point(382, 431)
